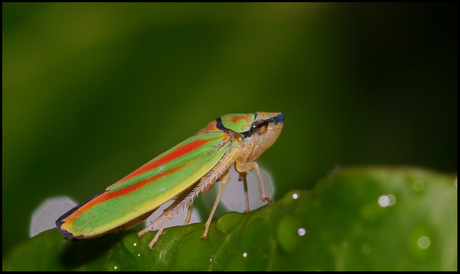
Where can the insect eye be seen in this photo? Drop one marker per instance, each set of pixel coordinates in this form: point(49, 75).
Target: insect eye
point(260, 126)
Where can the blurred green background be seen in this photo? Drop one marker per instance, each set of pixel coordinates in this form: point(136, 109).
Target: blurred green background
point(92, 91)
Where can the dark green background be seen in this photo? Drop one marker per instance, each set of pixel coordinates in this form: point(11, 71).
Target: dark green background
point(93, 91)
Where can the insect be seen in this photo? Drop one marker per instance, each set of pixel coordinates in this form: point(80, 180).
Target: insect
point(181, 173)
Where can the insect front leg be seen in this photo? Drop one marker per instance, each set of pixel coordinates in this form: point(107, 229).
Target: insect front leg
point(245, 167)
point(242, 177)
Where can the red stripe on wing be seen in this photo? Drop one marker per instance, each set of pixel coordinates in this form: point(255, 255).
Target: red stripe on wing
point(180, 151)
point(110, 195)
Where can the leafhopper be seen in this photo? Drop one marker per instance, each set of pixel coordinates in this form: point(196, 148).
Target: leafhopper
point(180, 174)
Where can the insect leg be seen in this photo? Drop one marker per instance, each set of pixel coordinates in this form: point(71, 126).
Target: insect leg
point(160, 231)
point(224, 180)
point(189, 213)
point(164, 214)
point(242, 177)
point(245, 167)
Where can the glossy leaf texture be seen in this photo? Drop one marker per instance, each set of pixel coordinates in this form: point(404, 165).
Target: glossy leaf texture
point(378, 218)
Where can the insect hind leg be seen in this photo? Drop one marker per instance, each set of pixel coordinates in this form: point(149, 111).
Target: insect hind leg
point(168, 214)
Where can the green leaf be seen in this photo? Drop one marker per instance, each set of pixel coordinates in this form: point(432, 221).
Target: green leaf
point(355, 219)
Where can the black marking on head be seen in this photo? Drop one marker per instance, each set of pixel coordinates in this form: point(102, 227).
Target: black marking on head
point(219, 124)
point(277, 119)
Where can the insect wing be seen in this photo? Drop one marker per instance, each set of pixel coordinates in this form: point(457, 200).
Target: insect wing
point(146, 188)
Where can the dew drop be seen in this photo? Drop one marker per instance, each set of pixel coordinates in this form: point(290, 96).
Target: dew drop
point(228, 221)
point(288, 233)
point(418, 185)
point(366, 249)
point(387, 200)
point(301, 231)
point(423, 242)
